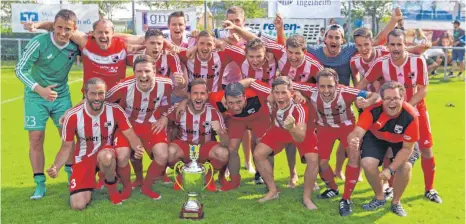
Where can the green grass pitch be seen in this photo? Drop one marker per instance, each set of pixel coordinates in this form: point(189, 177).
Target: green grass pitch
point(238, 206)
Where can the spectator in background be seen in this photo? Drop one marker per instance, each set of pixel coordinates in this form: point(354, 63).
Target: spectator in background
point(419, 37)
point(321, 36)
point(457, 54)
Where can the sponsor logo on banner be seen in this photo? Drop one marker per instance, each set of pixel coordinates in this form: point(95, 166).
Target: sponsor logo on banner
point(285, 2)
point(28, 16)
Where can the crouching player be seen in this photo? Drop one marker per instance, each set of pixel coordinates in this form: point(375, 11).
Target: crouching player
point(93, 122)
point(146, 99)
point(289, 126)
point(196, 127)
point(335, 120)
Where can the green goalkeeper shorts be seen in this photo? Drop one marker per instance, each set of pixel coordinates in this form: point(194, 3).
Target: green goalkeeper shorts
point(38, 110)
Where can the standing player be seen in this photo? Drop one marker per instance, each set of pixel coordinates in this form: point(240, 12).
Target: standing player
point(289, 126)
point(43, 69)
point(411, 71)
point(197, 126)
point(335, 120)
point(367, 54)
point(177, 33)
point(146, 99)
point(94, 123)
point(393, 123)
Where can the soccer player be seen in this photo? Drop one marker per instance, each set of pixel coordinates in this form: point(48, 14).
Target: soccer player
point(335, 120)
point(197, 126)
point(244, 109)
point(94, 123)
point(177, 33)
point(411, 71)
point(166, 64)
point(289, 126)
point(103, 54)
point(146, 99)
point(392, 122)
point(367, 54)
point(43, 69)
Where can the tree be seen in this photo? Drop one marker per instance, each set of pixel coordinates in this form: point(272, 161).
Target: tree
point(375, 9)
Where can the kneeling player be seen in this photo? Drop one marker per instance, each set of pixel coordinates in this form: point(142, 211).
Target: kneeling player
point(196, 127)
point(93, 122)
point(290, 126)
point(393, 123)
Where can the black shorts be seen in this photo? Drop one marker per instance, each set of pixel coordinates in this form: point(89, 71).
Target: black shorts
point(377, 148)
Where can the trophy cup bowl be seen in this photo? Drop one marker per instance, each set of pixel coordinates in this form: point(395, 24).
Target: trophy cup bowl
point(193, 182)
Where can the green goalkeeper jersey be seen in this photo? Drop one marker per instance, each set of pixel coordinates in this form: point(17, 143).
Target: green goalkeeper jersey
point(45, 63)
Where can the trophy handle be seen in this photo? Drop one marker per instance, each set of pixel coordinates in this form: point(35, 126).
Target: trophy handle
point(177, 169)
point(208, 166)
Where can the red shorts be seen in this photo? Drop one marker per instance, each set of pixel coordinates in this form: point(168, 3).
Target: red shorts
point(425, 133)
point(276, 138)
point(327, 137)
point(144, 132)
point(203, 151)
point(83, 175)
point(258, 126)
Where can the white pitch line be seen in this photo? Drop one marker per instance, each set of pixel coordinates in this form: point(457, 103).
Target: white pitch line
point(20, 97)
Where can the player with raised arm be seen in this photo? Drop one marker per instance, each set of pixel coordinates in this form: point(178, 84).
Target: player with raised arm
point(411, 71)
point(94, 122)
point(197, 126)
point(43, 69)
point(146, 99)
point(391, 122)
point(335, 120)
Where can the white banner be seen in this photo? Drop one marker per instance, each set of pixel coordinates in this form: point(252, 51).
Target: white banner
point(159, 19)
point(20, 13)
point(305, 8)
point(309, 28)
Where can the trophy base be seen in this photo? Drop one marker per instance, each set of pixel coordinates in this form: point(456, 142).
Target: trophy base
point(185, 214)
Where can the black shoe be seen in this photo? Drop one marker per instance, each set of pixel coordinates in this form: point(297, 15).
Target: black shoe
point(460, 74)
point(433, 73)
point(450, 75)
point(374, 204)
point(388, 192)
point(345, 207)
point(399, 210)
point(432, 195)
point(258, 179)
point(329, 193)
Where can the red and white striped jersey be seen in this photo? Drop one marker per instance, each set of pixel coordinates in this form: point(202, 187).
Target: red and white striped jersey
point(336, 112)
point(413, 72)
point(186, 42)
point(357, 63)
point(109, 65)
point(165, 65)
point(298, 111)
point(211, 70)
point(265, 74)
point(142, 107)
point(303, 73)
point(196, 128)
point(92, 132)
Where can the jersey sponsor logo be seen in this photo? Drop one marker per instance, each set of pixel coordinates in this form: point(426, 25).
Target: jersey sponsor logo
point(96, 138)
point(108, 124)
point(190, 131)
point(398, 129)
point(112, 69)
point(199, 76)
point(148, 110)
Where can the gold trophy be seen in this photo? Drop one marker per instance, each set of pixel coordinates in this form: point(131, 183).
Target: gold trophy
point(193, 178)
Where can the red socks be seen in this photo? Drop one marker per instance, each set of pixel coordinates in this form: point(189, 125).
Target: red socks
point(428, 167)
point(137, 167)
point(351, 178)
point(328, 177)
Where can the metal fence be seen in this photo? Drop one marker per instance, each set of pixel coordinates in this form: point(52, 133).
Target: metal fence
point(12, 48)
